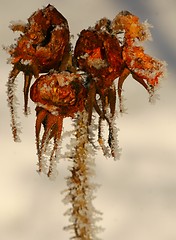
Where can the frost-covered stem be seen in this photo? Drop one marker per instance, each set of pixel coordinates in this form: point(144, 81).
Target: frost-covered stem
point(80, 187)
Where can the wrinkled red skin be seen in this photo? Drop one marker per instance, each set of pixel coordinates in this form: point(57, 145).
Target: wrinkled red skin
point(45, 41)
point(60, 100)
point(102, 45)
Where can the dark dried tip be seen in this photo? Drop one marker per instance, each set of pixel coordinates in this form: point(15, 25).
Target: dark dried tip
point(125, 13)
point(104, 22)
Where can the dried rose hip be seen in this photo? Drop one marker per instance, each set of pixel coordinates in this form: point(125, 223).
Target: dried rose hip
point(57, 95)
point(98, 53)
point(44, 42)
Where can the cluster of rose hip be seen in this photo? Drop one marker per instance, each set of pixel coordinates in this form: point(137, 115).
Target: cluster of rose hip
point(69, 81)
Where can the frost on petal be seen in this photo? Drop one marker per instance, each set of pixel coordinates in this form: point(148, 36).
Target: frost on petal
point(143, 66)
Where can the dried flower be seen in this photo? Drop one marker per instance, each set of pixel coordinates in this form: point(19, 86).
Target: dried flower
point(80, 85)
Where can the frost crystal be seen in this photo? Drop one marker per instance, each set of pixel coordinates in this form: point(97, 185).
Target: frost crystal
point(17, 26)
point(25, 62)
point(97, 63)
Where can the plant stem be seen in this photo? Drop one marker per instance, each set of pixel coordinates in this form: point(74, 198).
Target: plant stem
point(80, 188)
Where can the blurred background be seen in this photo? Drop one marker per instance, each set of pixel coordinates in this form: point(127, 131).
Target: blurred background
point(138, 193)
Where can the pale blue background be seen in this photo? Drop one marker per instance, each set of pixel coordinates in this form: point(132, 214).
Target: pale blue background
point(138, 193)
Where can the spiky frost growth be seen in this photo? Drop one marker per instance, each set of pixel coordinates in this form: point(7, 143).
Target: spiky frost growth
point(80, 188)
point(113, 139)
point(12, 103)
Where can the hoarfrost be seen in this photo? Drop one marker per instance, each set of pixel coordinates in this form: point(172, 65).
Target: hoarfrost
point(26, 62)
point(97, 63)
point(17, 25)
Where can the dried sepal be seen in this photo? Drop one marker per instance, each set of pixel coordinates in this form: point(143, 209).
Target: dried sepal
point(52, 130)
